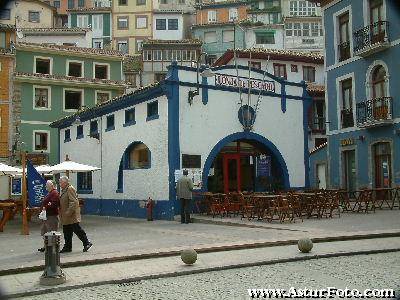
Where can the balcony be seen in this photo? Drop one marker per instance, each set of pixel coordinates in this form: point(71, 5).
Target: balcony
point(374, 112)
point(347, 118)
point(371, 39)
point(344, 51)
point(318, 125)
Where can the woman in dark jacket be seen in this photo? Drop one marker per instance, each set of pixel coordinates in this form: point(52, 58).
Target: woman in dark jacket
point(51, 204)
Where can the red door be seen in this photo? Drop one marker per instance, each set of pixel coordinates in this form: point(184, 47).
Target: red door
point(231, 169)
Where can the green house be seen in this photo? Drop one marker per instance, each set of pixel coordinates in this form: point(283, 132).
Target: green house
point(52, 82)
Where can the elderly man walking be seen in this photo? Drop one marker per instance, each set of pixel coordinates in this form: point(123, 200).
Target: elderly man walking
point(184, 188)
point(70, 216)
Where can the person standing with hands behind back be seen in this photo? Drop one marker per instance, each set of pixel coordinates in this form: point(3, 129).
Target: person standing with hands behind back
point(184, 188)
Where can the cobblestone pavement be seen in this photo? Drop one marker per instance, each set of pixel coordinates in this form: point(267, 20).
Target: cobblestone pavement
point(355, 272)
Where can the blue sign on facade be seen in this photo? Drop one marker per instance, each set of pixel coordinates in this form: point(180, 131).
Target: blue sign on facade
point(36, 186)
point(16, 186)
point(264, 165)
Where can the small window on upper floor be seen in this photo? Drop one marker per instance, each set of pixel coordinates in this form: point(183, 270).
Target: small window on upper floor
point(102, 96)
point(84, 182)
point(71, 4)
point(110, 123)
point(344, 37)
point(75, 69)
point(100, 71)
point(130, 117)
point(79, 132)
point(43, 65)
point(161, 24)
point(122, 2)
point(34, 16)
point(210, 37)
point(140, 2)
point(255, 64)
point(41, 141)
point(152, 110)
point(73, 99)
point(212, 16)
point(280, 70)
point(5, 14)
point(81, 3)
point(233, 14)
point(309, 73)
point(67, 135)
point(172, 24)
point(56, 3)
point(93, 127)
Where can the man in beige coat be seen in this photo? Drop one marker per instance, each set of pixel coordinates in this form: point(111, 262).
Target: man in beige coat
point(70, 216)
point(184, 188)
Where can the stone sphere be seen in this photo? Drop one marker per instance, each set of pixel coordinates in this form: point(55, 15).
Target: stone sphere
point(305, 245)
point(189, 256)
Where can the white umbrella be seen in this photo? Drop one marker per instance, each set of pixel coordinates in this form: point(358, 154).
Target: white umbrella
point(72, 166)
point(9, 170)
point(44, 169)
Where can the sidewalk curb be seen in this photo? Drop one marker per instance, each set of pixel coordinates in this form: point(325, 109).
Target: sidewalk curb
point(123, 258)
point(189, 272)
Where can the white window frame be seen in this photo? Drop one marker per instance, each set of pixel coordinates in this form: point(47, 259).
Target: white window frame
point(212, 16)
point(48, 97)
point(42, 57)
point(336, 34)
point(127, 45)
point(101, 64)
point(74, 90)
point(81, 17)
point(75, 61)
point(103, 92)
point(340, 100)
point(141, 17)
point(366, 12)
point(233, 14)
point(34, 144)
point(371, 68)
point(127, 22)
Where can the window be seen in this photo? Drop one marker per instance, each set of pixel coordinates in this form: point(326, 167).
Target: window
point(161, 24)
point(5, 14)
point(42, 65)
point(71, 4)
point(102, 97)
point(227, 36)
point(2, 39)
point(191, 161)
point(123, 46)
point(379, 82)
point(75, 69)
point(210, 37)
point(98, 44)
point(41, 141)
point(139, 44)
point(130, 117)
point(233, 14)
point(212, 16)
point(100, 71)
point(79, 132)
point(306, 29)
point(314, 29)
point(318, 115)
point(97, 22)
point(159, 77)
point(302, 8)
point(82, 21)
point(344, 37)
point(293, 11)
point(152, 110)
point(141, 22)
point(347, 103)
point(140, 2)
point(139, 157)
point(255, 64)
point(172, 24)
point(94, 127)
point(84, 182)
point(67, 135)
point(293, 68)
point(56, 4)
point(34, 16)
point(42, 98)
point(131, 79)
point(122, 2)
point(289, 29)
point(122, 22)
point(72, 100)
point(265, 38)
point(382, 164)
point(375, 11)
point(110, 123)
point(297, 29)
point(280, 70)
point(309, 73)
point(81, 3)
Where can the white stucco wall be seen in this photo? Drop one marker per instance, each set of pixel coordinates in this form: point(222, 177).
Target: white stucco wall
point(139, 184)
point(84, 41)
point(168, 34)
point(250, 37)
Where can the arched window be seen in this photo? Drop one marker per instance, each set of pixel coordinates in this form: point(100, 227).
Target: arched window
point(378, 82)
point(139, 157)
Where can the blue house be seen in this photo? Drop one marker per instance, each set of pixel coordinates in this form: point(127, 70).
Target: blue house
point(362, 94)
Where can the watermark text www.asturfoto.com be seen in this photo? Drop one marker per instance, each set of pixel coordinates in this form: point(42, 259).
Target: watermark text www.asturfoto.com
point(326, 293)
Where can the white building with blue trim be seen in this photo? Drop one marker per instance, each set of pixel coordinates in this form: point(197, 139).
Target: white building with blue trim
point(229, 136)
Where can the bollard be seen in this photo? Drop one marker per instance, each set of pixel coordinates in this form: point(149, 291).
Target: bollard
point(52, 274)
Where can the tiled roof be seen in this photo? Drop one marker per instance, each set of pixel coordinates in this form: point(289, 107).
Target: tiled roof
point(162, 42)
point(72, 49)
point(60, 30)
point(90, 9)
point(104, 104)
point(70, 78)
point(319, 147)
point(169, 11)
point(7, 51)
point(277, 54)
point(214, 24)
point(222, 3)
point(132, 63)
point(7, 27)
point(315, 88)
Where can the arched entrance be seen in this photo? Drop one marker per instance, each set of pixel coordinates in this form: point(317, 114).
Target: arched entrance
point(245, 161)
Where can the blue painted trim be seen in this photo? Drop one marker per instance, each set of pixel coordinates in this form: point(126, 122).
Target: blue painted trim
point(173, 129)
point(109, 128)
point(283, 99)
point(129, 124)
point(84, 191)
point(204, 91)
point(306, 104)
point(249, 136)
point(154, 117)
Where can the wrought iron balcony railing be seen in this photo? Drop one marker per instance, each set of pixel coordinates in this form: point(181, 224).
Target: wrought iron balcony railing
point(318, 124)
point(371, 36)
point(344, 51)
point(374, 112)
point(347, 118)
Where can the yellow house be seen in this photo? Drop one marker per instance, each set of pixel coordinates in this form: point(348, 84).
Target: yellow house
point(132, 24)
point(29, 14)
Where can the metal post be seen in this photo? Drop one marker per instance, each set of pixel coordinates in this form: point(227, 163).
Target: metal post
point(52, 274)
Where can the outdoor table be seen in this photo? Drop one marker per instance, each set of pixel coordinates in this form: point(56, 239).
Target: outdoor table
point(386, 194)
point(8, 210)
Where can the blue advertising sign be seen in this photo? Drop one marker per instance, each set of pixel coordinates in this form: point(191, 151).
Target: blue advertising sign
point(16, 186)
point(36, 186)
point(264, 165)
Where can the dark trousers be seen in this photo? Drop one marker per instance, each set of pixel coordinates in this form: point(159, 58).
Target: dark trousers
point(69, 230)
point(185, 211)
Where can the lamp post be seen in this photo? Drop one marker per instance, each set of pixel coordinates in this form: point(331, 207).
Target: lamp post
point(206, 73)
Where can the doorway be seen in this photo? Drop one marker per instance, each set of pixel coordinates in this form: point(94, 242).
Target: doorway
point(382, 163)
point(321, 176)
point(349, 162)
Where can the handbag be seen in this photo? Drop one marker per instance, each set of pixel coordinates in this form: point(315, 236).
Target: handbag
point(42, 215)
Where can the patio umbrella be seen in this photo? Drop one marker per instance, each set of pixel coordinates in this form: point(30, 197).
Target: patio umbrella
point(44, 169)
point(6, 169)
point(71, 166)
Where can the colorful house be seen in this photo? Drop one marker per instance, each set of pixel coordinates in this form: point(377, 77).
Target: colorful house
point(362, 79)
point(56, 81)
